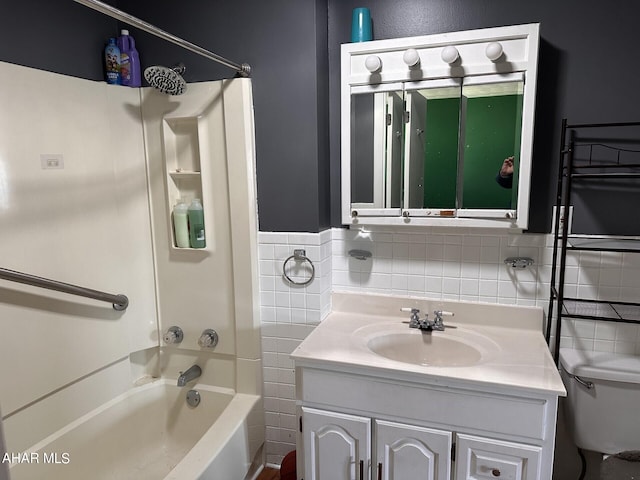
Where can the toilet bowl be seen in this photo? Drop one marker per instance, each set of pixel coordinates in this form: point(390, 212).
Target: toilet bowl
point(603, 397)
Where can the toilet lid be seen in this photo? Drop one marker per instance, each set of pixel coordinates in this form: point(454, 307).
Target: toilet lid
point(614, 367)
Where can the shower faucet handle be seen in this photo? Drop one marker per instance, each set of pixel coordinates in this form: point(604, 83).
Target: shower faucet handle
point(208, 339)
point(173, 336)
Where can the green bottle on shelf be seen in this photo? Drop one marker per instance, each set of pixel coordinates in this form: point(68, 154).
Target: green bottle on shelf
point(195, 213)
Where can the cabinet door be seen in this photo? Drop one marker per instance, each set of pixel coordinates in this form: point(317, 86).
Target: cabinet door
point(336, 446)
point(407, 452)
point(482, 458)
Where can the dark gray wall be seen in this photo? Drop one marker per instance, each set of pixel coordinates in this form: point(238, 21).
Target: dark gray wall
point(284, 41)
point(59, 36)
point(587, 73)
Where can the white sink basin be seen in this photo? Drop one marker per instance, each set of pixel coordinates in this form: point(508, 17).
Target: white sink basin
point(492, 344)
point(450, 348)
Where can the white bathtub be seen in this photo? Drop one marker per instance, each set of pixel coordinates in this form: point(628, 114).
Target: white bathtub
point(151, 433)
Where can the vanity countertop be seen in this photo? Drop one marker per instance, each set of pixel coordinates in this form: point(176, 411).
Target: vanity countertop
point(514, 354)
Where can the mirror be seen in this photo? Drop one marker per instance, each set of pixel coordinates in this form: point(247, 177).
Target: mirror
point(377, 120)
point(431, 153)
point(439, 143)
point(491, 132)
point(437, 147)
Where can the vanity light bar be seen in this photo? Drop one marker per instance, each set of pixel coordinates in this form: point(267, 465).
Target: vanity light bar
point(443, 55)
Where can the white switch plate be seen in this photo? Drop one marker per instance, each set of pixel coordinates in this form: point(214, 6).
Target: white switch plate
point(51, 161)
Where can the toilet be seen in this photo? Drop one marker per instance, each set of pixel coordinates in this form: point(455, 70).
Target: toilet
point(603, 397)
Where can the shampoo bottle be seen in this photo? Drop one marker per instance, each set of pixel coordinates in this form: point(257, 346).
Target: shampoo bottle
point(196, 224)
point(129, 60)
point(181, 224)
point(112, 62)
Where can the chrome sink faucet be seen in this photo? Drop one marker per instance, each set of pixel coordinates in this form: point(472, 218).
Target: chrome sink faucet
point(191, 374)
point(425, 324)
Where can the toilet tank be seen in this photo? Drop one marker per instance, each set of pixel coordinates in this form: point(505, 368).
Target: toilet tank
point(604, 418)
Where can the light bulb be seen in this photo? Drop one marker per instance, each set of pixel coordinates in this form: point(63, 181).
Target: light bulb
point(411, 57)
point(493, 51)
point(449, 54)
point(373, 63)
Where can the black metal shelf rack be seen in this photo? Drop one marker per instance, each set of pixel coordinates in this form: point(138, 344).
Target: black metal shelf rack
point(604, 158)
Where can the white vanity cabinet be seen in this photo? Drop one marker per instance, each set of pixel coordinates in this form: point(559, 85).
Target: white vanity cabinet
point(345, 447)
point(350, 447)
point(489, 458)
point(355, 427)
point(337, 446)
point(409, 451)
point(440, 413)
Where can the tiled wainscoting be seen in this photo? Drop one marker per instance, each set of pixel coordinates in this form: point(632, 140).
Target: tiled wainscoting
point(289, 313)
point(448, 264)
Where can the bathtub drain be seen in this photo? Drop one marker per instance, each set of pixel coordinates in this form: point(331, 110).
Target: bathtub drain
point(193, 398)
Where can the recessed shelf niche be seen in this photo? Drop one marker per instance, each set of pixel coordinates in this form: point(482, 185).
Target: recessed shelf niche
point(183, 165)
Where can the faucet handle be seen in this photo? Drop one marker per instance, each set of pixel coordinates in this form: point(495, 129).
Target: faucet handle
point(413, 311)
point(208, 339)
point(414, 321)
point(173, 335)
point(439, 314)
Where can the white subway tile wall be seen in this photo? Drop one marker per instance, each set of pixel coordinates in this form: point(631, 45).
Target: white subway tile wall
point(450, 264)
point(604, 276)
point(288, 314)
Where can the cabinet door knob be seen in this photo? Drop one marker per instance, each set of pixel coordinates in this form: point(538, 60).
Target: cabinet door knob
point(380, 471)
point(495, 472)
point(361, 469)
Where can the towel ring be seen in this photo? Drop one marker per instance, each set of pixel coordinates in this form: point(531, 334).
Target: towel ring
point(299, 255)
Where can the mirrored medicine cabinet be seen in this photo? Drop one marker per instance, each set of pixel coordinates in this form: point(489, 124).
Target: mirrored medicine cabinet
point(427, 123)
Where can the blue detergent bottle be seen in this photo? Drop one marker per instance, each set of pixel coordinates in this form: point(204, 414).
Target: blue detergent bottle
point(112, 63)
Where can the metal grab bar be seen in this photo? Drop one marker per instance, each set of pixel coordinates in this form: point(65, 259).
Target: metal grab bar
point(120, 302)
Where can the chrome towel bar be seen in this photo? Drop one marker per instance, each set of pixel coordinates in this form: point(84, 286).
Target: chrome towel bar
point(120, 302)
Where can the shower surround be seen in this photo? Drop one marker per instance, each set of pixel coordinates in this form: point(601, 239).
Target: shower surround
point(83, 200)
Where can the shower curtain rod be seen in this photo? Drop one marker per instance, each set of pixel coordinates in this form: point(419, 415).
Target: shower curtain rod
point(243, 69)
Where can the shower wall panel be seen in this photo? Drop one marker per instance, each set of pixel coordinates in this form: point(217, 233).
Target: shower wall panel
point(195, 285)
point(74, 208)
point(202, 143)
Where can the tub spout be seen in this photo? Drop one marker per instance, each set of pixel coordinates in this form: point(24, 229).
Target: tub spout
point(191, 374)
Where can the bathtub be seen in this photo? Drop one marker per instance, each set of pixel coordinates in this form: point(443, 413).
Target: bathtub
point(151, 433)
